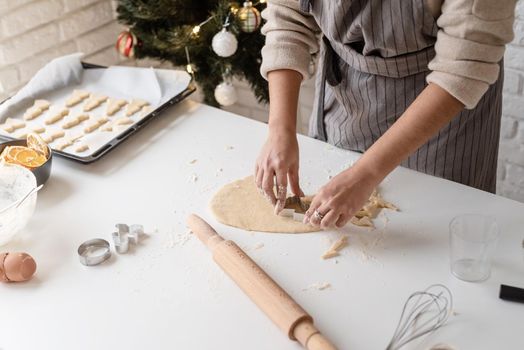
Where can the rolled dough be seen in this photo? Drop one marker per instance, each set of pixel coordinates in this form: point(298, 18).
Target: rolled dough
point(239, 204)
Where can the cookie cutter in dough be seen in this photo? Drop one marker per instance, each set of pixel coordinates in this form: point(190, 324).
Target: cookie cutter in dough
point(126, 234)
point(295, 208)
point(94, 252)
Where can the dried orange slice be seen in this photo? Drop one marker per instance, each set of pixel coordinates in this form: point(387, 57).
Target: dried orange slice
point(10, 152)
point(30, 158)
point(36, 143)
point(5, 154)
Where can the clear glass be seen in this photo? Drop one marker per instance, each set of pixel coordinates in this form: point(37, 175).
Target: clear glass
point(473, 240)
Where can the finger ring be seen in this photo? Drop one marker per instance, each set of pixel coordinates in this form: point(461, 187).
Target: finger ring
point(318, 215)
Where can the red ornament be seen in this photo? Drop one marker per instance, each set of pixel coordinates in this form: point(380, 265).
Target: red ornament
point(125, 43)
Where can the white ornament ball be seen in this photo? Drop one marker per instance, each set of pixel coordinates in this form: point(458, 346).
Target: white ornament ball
point(224, 43)
point(226, 94)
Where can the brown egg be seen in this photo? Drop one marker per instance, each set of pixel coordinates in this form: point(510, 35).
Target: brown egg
point(3, 277)
point(16, 267)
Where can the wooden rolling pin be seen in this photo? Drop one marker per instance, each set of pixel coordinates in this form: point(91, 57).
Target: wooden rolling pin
point(268, 296)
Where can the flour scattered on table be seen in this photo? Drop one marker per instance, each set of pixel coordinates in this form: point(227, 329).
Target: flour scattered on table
point(229, 148)
point(193, 161)
point(193, 178)
point(318, 286)
point(177, 239)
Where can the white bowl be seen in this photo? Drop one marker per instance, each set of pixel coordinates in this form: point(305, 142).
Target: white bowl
point(15, 182)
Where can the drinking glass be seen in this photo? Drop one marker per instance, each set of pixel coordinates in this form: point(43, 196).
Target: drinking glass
point(473, 240)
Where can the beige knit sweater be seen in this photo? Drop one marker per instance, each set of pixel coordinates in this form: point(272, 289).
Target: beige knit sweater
point(470, 42)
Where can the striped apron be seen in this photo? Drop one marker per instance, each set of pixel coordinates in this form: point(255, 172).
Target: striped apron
point(373, 64)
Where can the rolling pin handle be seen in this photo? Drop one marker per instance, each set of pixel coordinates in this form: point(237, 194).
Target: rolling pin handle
point(203, 231)
point(310, 337)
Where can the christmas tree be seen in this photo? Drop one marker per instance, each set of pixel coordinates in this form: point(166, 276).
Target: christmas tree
point(201, 35)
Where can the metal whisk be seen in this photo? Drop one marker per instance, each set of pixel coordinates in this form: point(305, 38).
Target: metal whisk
point(424, 312)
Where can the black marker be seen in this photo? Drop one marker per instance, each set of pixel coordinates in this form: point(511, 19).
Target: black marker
point(511, 293)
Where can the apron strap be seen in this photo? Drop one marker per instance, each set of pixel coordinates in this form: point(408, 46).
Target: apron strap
point(330, 73)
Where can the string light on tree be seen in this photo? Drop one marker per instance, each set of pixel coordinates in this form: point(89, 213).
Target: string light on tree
point(214, 41)
point(196, 30)
point(249, 17)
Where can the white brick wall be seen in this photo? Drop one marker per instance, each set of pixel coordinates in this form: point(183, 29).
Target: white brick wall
point(511, 156)
point(32, 32)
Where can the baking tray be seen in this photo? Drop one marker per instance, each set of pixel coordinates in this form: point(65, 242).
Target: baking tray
point(125, 134)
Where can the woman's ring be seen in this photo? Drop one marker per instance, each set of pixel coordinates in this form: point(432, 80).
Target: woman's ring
point(318, 215)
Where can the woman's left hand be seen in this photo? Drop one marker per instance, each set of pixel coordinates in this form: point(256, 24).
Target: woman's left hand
point(338, 201)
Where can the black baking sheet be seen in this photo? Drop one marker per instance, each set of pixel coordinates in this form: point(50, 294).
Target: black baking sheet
point(125, 134)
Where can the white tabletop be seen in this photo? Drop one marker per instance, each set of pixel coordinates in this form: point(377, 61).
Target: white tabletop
point(169, 294)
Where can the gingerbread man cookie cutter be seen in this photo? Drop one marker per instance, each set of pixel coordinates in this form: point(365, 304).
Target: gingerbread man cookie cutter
point(126, 234)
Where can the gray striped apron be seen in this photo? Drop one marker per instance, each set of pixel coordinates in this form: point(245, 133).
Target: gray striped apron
point(373, 64)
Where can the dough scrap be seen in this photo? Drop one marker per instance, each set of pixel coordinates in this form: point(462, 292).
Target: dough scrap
point(335, 248)
point(239, 204)
point(370, 210)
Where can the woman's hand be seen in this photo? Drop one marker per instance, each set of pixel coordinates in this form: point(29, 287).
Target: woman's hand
point(338, 201)
point(278, 162)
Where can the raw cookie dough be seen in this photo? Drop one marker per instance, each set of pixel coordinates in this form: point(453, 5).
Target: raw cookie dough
point(38, 108)
point(56, 115)
point(115, 105)
point(135, 105)
point(75, 121)
point(94, 101)
point(239, 204)
point(95, 125)
point(77, 97)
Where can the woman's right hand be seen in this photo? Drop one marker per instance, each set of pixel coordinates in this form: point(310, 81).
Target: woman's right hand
point(276, 164)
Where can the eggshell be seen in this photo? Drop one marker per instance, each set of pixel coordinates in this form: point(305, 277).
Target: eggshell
point(3, 277)
point(19, 267)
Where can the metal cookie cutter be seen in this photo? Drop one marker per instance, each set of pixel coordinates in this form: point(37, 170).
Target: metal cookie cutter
point(295, 207)
point(94, 252)
point(126, 234)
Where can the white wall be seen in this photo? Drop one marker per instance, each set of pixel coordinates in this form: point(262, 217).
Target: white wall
point(511, 156)
point(34, 31)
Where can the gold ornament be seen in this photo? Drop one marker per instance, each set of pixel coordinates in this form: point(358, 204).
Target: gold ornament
point(249, 17)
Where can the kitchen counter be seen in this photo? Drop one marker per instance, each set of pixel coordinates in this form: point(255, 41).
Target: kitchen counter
point(167, 293)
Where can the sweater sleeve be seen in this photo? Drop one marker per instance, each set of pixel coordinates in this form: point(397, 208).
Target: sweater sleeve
point(470, 43)
point(291, 38)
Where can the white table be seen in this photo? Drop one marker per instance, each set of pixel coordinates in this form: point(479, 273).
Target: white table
point(169, 294)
